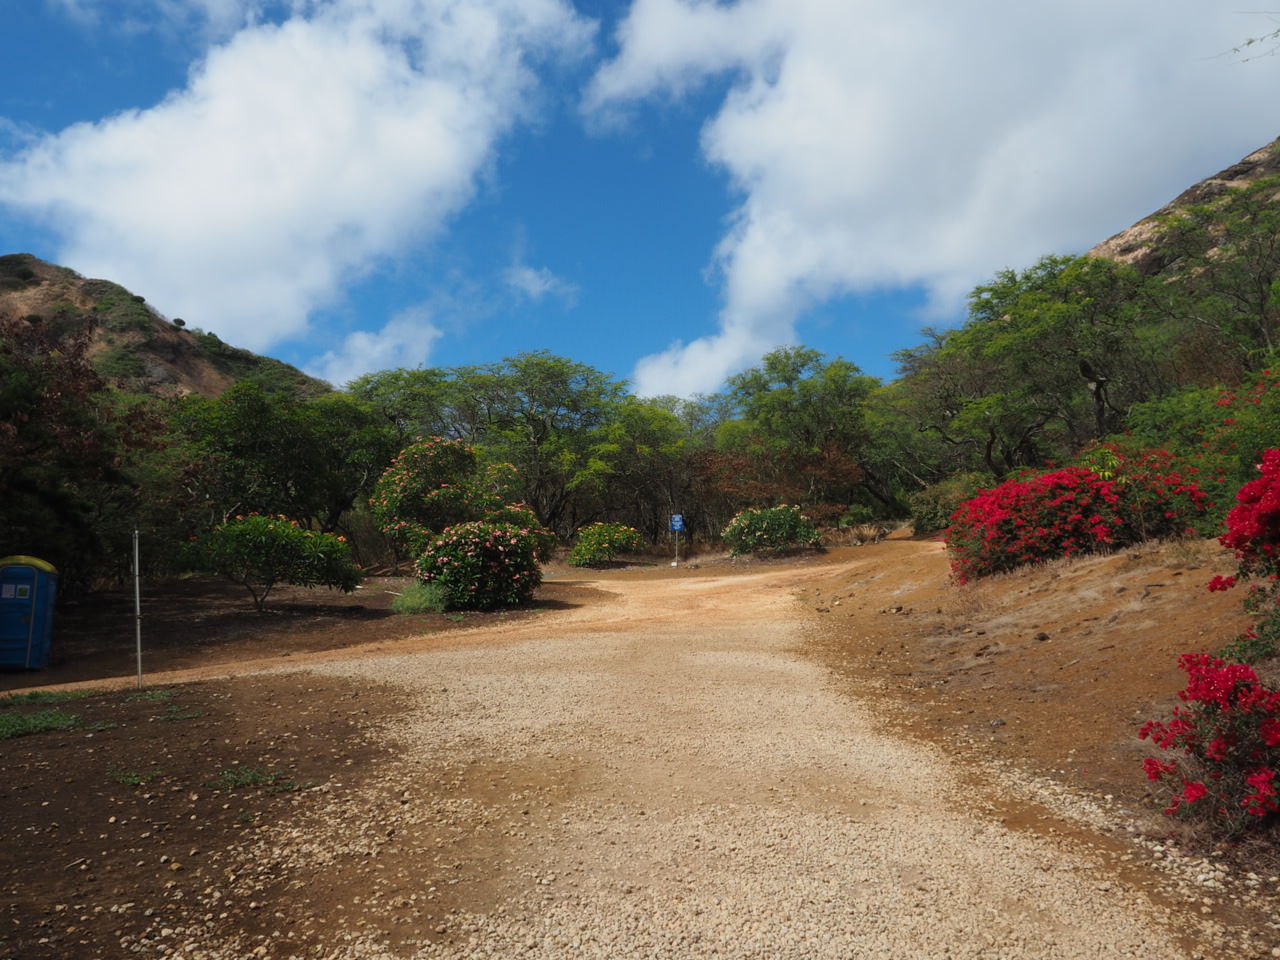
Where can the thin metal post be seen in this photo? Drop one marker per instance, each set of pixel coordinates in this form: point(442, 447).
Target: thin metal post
point(137, 604)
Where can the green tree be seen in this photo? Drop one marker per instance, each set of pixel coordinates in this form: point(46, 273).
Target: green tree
point(542, 414)
point(799, 434)
point(66, 449)
point(1221, 282)
point(1049, 359)
point(415, 403)
point(256, 452)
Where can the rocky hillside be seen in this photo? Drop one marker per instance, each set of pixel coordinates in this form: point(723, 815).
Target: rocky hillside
point(132, 345)
point(1138, 245)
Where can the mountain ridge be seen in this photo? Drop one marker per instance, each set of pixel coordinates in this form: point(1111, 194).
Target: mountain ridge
point(131, 344)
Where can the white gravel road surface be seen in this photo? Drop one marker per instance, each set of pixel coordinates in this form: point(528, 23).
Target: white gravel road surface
point(668, 777)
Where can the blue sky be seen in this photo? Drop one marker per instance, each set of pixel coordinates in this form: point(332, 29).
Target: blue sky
point(664, 189)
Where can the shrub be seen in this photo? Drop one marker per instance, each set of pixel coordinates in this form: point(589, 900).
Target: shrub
point(259, 552)
point(1228, 733)
point(480, 566)
point(1069, 511)
point(421, 597)
point(933, 507)
point(770, 530)
point(602, 542)
point(1220, 433)
point(431, 485)
point(522, 516)
point(1253, 532)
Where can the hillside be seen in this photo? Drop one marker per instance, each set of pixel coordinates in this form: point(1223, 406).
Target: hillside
point(132, 345)
point(1138, 245)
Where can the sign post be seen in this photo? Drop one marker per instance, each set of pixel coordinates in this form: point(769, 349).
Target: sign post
point(677, 527)
point(137, 604)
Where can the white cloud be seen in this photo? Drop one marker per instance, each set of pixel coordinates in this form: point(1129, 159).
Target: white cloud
point(405, 341)
point(876, 146)
point(537, 283)
point(297, 158)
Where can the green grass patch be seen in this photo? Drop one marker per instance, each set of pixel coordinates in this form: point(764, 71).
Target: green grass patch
point(41, 721)
point(421, 598)
point(239, 778)
point(44, 696)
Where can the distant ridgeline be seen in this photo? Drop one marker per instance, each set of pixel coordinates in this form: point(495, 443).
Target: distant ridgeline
point(131, 344)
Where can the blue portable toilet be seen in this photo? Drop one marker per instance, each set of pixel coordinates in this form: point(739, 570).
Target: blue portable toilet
point(28, 589)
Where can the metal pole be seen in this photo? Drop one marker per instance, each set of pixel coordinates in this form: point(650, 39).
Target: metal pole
point(137, 605)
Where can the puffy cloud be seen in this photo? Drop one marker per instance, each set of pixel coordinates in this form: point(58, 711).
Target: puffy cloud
point(405, 341)
point(298, 157)
point(880, 146)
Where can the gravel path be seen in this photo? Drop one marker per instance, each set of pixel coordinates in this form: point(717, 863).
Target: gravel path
point(663, 776)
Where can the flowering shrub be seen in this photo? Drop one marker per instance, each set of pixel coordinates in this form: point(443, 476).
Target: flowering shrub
point(481, 566)
point(933, 507)
point(1228, 734)
point(434, 483)
point(770, 530)
point(521, 515)
point(1069, 511)
point(602, 542)
point(1253, 532)
point(1219, 433)
point(258, 552)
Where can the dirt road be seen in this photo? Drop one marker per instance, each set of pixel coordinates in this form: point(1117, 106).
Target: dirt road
point(660, 764)
point(664, 775)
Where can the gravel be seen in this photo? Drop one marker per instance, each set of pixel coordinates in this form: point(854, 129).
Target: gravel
point(664, 776)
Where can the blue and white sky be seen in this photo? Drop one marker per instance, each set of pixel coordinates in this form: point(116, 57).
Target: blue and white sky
point(663, 189)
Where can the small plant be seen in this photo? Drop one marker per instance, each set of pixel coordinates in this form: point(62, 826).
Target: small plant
point(259, 552)
point(178, 712)
point(132, 778)
point(42, 721)
point(770, 530)
point(1228, 735)
point(602, 542)
point(482, 566)
point(242, 777)
point(421, 597)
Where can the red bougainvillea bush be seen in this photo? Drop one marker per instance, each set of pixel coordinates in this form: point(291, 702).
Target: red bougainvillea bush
point(1225, 738)
point(1253, 532)
point(1070, 511)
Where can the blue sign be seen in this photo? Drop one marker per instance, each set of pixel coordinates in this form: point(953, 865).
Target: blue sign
point(677, 521)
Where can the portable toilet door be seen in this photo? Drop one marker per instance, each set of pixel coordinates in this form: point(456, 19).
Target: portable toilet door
point(28, 589)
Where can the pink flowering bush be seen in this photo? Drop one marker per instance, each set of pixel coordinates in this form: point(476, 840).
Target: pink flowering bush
point(433, 484)
point(1070, 511)
point(1225, 738)
point(482, 566)
point(521, 515)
